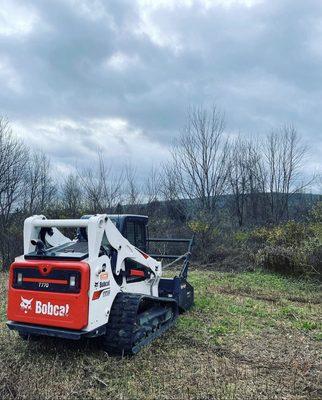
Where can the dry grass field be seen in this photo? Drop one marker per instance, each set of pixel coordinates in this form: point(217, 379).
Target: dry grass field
point(249, 336)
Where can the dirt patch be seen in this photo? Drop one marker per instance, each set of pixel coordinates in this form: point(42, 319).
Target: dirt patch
point(263, 297)
point(238, 292)
point(290, 359)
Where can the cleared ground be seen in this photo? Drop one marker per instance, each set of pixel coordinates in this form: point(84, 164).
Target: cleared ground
point(250, 336)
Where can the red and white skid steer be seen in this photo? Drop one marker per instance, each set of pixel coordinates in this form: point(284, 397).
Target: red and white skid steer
point(101, 283)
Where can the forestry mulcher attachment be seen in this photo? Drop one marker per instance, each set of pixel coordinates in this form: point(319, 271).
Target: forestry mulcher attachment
point(102, 283)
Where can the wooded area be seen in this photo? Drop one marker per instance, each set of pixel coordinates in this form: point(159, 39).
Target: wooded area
point(214, 184)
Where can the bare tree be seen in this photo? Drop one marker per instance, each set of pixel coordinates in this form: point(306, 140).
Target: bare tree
point(284, 154)
point(152, 191)
point(238, 178)
point(102, 189)
point(13, 159)
point(177, 208)
point(72, 196)
point(169, 186)
point(247, 181)
point(133, 193)
point(153, 186)
point(319, 182)
point(200, 161)
point(40, 189)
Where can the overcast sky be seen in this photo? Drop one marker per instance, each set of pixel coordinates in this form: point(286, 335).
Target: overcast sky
point(76, 75)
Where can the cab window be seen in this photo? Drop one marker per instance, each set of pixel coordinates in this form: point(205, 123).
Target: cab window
point(140, 236)
point(130, 232)
point(135, 234)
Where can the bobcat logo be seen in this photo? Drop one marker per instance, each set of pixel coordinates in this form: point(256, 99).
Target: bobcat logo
point(25, 304)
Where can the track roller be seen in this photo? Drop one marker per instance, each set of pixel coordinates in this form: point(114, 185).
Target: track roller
point(136, 320)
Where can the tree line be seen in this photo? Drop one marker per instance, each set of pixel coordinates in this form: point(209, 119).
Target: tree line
point(211, 178)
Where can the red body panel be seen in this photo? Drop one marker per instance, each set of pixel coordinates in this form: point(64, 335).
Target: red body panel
point(64, 310)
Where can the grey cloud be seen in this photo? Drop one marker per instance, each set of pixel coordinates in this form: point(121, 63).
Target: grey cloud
point(260, 64)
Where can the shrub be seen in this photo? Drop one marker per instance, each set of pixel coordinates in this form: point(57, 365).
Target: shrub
point(289, 234)
point(316, 213)
point(292, 260)
point(241, 237)
point(291, 248)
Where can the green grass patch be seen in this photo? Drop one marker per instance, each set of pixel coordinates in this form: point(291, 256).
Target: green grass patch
point(242, 303)
point(240, 322)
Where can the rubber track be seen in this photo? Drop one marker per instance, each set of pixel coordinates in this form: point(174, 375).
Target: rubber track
point(118, 339)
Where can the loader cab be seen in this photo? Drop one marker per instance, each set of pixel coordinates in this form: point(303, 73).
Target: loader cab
point(133, 227)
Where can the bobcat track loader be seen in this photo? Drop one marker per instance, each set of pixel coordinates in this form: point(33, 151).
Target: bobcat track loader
point(102, 283)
